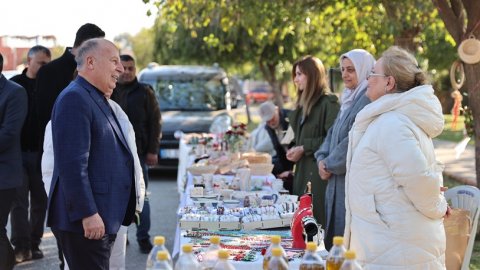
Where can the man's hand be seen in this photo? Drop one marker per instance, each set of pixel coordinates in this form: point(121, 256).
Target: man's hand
point(322, 171)
point(93, 227)
point(294, 154)
point(151, 159)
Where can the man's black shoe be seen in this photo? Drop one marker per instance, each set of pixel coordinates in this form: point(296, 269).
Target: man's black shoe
point(36, 253)
point(145, 246)
point(22, 255)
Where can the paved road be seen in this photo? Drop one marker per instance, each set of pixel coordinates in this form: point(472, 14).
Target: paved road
point(163, 203)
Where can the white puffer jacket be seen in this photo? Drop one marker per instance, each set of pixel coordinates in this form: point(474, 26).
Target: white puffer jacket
point(393, 199)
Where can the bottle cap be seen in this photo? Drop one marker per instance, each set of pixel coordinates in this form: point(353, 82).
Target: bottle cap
point(350, 255)
point(159, 240)
point(162, 255)
point(311, 246)
point(338, 240)
point(275, 239)
point(223, 254)
point(277, 252)
point(215, 240)
point(187, 248)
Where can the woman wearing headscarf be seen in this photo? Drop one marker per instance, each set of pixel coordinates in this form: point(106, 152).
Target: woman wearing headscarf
point(316, 109)
point(331, 157)
point(394, 206)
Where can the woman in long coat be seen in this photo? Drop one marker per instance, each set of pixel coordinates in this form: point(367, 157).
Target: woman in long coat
point(331, 157)
point(394, 205)
point(315, 113)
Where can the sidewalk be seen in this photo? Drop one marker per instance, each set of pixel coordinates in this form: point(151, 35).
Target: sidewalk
point(461, 169)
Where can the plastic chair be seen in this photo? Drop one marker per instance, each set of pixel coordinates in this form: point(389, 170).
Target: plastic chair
point(468, 198)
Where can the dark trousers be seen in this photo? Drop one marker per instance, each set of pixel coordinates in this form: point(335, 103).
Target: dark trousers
point(144, 227)
point(27, 233)
point(82, 253)
point(7, 258)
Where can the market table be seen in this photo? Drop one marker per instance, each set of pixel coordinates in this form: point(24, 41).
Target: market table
point(238, 242)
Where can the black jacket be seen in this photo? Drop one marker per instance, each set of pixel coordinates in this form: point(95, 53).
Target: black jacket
point(30, 139)
point(280, 161)
point(141, 106)
point(52, 78)
point(13, 109)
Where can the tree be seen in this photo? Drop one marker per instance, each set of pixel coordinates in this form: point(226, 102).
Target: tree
point(271, 34)
point(462, 20)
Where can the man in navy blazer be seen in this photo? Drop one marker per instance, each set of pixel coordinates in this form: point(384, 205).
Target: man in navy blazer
point(13, 110)
point(93, 190)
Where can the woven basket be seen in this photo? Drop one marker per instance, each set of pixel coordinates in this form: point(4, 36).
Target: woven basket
point(257, 158)
point(261, 168)
point(202, 169)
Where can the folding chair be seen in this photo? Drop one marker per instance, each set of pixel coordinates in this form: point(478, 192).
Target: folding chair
point(468, 198)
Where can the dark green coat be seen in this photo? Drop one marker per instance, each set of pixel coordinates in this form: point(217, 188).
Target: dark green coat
point(310, 133)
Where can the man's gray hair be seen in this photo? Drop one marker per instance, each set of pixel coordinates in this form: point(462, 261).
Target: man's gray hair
point(84, 49)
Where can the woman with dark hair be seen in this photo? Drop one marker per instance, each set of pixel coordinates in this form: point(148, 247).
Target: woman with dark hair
point(315, 112)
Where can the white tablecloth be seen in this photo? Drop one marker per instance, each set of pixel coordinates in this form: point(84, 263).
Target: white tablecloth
point(258, 264)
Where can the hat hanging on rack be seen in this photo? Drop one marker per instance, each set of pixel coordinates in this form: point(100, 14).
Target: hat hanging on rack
point(469, 50)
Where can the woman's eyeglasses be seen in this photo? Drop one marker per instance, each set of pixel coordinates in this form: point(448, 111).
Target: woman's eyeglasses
point(373, 74)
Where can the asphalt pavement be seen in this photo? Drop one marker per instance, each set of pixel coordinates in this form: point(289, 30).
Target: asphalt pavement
point(163, 203)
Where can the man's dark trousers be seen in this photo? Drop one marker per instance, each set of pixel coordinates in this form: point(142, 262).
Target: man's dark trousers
point(27, 234)
point(86, 254)
point(145, 223)
point(7, 258)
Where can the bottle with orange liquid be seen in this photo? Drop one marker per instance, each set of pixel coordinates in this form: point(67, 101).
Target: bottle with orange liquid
point(311, 261)
point(350, 263)
point(277, 262)
point(336, 256)
point(275, 243)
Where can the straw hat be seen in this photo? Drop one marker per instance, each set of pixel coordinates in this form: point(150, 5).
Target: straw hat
point(469, 50)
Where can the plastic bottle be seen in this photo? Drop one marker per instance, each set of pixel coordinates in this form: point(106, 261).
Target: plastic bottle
point(311, 260)
point(275, 243)
point(350, 263)
point(336, 255)
point(162, 261)
point(211, 255)
point(277, 262)
point(187, 261)
point(158, 245)
point(223, 263)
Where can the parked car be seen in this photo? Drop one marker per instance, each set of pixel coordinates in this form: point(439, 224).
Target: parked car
point(258, 95)
point(192, 99)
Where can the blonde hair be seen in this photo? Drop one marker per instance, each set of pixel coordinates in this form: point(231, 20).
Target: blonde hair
point(403, 66)
point(317, 85)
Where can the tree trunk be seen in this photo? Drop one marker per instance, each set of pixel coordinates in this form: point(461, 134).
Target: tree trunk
point(453, 13)
point(406, 39)
point(268, 71)
point(473, 86)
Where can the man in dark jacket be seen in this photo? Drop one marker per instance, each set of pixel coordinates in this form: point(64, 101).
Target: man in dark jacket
point(276, 124)
point(27, 233)
point(56, 75)
point(13, 110)
point(53, 77)
point(140, 104)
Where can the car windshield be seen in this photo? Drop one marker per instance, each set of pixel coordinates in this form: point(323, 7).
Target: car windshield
point(202, 94)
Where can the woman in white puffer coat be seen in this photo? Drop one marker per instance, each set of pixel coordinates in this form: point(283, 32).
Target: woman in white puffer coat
point(395, 208)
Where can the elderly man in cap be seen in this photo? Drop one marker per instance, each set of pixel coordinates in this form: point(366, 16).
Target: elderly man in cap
point(269, 133)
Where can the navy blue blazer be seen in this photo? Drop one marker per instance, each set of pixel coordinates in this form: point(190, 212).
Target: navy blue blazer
point(93, 166)
point(13, 110)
